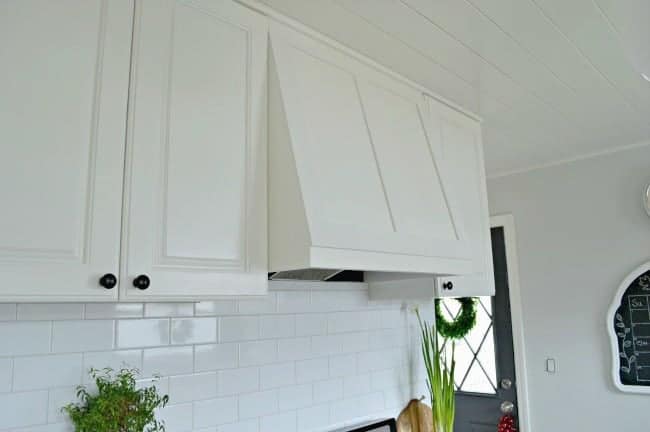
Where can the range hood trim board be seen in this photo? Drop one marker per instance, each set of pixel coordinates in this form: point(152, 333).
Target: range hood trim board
point(298, 237)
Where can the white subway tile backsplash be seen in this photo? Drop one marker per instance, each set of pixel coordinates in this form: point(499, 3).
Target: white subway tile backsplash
point(277, 326)
point(237, 328)
point(285, 422)
point(193, 330)
point(258, 404)
point(20, 338)
point(116, 360)
point(258, 305)
point(79, 336)
point(168, 361)
point(45, 311)
point(308, 357)
point(142, 333)
point(6, 374)
point(215, 357)
point(277, 375)
point(168, 310)
point(236, 381)
point(214, 308)
point(23, 409)
point(42, 372)
point(178, 418)
point(114, 310)
point(293, 397)
point(312, 370)
point(311, 324)
point(313, 418)
point(215, 412)
point(258, 352)
point(188, 388)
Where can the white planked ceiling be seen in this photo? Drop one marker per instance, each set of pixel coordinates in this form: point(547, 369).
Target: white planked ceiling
point(553, 79)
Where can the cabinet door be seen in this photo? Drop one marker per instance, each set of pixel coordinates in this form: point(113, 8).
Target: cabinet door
point(195, 212)
point(456, 140)
point(63, 94)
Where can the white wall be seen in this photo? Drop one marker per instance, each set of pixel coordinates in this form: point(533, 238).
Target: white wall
point(307, 357)
point(581, 228)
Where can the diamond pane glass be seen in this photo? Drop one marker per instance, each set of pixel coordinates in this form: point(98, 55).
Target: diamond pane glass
point(475, 356)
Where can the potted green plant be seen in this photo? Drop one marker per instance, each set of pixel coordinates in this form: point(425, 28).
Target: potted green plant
point(440, 377)
point(117, 406)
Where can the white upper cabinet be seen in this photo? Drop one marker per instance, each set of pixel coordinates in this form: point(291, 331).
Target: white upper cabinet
point(353, 138)
point(195, 206)
point(63, 95)
point(456, 141)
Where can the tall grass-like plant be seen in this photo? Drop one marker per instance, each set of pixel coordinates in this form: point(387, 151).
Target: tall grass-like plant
point(440, 377)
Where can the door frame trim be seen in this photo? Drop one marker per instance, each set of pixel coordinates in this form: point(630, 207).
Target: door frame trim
point(507, 222)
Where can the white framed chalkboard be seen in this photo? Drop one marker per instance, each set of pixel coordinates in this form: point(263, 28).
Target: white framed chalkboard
point(628, 325)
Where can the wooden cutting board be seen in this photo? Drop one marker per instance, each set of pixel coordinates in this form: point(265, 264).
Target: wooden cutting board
point(416, 417)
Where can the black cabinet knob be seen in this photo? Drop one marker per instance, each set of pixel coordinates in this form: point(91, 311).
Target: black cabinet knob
point(108, 281)
point(448, 285)
point(141, 282)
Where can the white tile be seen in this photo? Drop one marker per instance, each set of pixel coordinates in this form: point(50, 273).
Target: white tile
point(356, 385)
point(259, 305)
point(168, 361)
point(242, 426)
point(389, 378)
point(343, 365)
point(58, 398)
point(78, 336)
point(23, 409)
point(215, 357)
point(325, 345)
point(168, 309)
point(244, 328)
point(114, 310)
point(292, 301)
point(41, 372)
point(214, 308)
point(312, 370)
point(258, 352)
point(160, 384)
point(277, 375)
point(333, 301)
point(258, 404)
point(187, 388)
point(329, 390)
point(344, 410)
point(116, 360)
point(285, 422)
point(142, 333)
point(7, 312)
point(371, 403)
point(20, 338)
point(277, 326)
point(295, 396)
point(236, 381)
point(342, 322)
point(311, 324)
point(6, 373)
point(193, 330)
point(215, 412)
point(294, 349)
point(354, 342)
point(54, 427)
point(50, 311)
point(177, 418)
point(313, 418)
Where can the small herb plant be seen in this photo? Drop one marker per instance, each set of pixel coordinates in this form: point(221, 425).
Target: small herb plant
point(118, 406)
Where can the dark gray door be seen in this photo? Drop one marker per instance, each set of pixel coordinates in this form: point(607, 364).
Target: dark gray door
point(485, 377)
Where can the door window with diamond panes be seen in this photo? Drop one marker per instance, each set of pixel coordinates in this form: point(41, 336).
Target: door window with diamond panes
point(475, 355)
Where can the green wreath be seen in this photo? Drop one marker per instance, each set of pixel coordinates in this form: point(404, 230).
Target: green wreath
point(464, 322)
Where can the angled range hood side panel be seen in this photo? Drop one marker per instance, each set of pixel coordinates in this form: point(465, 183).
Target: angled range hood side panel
point(289, 236)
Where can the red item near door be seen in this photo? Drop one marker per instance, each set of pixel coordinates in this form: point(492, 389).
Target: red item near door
point(507, 424)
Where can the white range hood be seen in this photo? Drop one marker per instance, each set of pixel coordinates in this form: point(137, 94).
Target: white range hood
point(356, 181)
